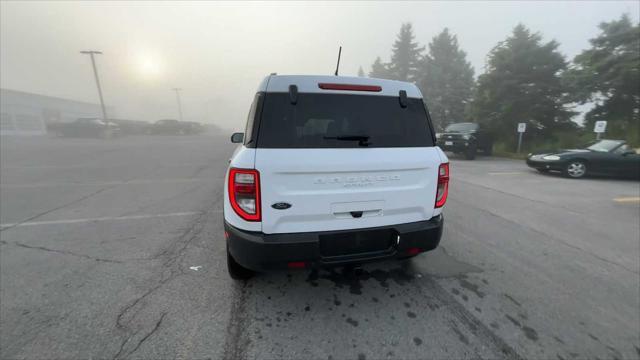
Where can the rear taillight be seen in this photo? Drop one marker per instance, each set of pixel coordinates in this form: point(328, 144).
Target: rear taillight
point(244, 193)
point(443, 185)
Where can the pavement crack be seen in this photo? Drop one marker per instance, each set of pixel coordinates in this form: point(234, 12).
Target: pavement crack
point(155, 328)
point(169, 270)
point(237, 341)
point(57, 208)
point(82, 198)
point(64, 252)
point(470, 322)
point(141, 341)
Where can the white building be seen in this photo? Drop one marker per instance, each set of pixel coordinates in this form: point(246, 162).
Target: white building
point(23, 113)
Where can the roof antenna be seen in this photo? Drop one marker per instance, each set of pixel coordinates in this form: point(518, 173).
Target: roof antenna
point(338, 64)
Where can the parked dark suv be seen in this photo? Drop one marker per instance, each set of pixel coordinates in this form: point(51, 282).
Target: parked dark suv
point(465, 138)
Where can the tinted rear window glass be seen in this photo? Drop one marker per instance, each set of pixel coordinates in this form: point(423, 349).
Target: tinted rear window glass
point(462, 127)
point(337, 121)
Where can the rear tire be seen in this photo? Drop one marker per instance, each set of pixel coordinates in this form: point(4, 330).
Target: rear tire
point(470, 154)
point(488, 150)
point(575, 169)
point(237, 271)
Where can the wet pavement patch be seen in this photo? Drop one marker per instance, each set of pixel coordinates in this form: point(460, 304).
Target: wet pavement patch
point(512, 299)
point(529, 332)
point(352, 322)
point(461, 336)
point(353, 278)
point(470, 286)
point(336, 302)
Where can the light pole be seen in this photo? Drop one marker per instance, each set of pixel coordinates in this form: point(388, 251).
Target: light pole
point(91, 53)
point(177, 90)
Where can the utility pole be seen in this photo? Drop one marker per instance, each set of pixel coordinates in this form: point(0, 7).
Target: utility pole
point(177, 90)
point(91, 53)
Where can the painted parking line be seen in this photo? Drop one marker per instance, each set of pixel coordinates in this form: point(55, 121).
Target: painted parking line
point(507, 173)
point(627, 200)
point(105, 218)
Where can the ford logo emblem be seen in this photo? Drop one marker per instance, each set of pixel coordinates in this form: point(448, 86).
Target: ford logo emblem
point(281, 206)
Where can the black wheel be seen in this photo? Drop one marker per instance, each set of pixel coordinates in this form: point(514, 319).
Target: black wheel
point(237, 271)
point(488, 150)
point(575, 169)
point(470, 154)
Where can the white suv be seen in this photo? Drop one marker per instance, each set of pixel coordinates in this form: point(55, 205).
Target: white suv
point(333, 170)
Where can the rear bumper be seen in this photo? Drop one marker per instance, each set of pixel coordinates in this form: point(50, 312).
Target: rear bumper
point(260, 252)
point(456, 145)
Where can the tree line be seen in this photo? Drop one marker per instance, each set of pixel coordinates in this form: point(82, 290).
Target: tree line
point(528, 80)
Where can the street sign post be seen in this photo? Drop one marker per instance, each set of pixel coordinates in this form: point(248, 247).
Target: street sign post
point(599, 127)
point(522, 127)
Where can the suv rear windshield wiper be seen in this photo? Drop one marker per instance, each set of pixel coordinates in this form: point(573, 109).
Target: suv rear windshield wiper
point(361, 139)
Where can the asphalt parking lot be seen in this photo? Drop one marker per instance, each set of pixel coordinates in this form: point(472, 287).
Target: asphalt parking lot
point(115, 249)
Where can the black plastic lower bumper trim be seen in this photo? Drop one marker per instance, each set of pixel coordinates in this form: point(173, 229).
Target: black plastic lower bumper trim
point(260, 252)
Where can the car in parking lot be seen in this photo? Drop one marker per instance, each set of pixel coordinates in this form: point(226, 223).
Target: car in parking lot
point(333, 170)
point(175, 127)
point(194, 127)
point(86, 127)
point(169, 127)
point(603, 157)
point(132, 127)
point(466, 138)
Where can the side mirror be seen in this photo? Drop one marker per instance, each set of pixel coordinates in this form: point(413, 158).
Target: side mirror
point(237, 138)
point(628, 152)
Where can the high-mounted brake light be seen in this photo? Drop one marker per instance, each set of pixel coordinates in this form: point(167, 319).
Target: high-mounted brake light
point(443, 185)
point(244, 193)
point(349, 87)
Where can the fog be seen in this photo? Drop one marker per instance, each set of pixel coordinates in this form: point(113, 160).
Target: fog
point(477, 199)
point(218, 52)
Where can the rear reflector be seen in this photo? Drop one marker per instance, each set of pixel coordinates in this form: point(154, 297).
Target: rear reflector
point(349, 87)
point(296, 265)
point(413, 251)
point(443, 185)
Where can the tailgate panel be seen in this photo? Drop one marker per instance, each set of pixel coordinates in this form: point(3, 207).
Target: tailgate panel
point(324, 186)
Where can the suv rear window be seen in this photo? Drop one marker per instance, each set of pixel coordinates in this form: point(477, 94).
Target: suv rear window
point(342, 121)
